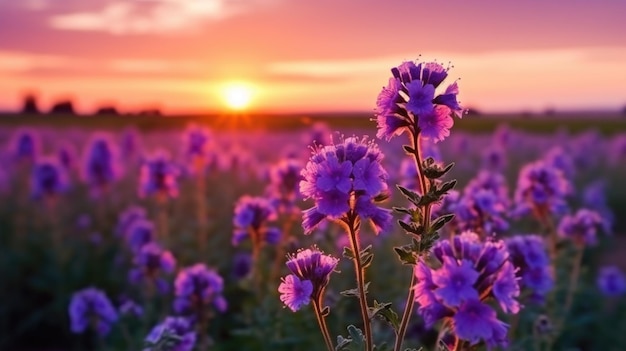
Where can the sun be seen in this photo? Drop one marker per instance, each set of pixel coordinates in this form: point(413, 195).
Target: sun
point(237, 96)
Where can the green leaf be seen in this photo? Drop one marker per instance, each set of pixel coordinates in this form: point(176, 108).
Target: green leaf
point(403, 210)
point(445, 187)
point(440, 222)
point(408, 149)
point(405, 254)
point(325, 311)
point(354, 342)
point(385, 312)
point(436, 172)
point(412, 228)
point(411, 195)
point(354, 292)
point(347, 253)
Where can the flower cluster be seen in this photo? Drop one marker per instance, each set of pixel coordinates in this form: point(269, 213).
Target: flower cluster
point(25, 145)
point(284, 179)
point(91, 308)
point(127, 217)
point(582, 227)
point(48, 180)
point(158, 176)
point(471, 272)
point(311, 270)
point(530, 258)
point(151, 260)
point(252, 217)
point(541, 188)
point(198, 287)
point(140, 233)
point(177, 326)
point(484, 205)
point(611, 281)
point(409, 101)
point(100, 164)
point(342, 178)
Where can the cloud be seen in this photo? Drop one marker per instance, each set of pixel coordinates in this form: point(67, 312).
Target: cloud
point(18, 62)
point(121, 17)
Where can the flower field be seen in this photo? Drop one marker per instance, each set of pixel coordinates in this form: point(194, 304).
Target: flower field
point(315, 237)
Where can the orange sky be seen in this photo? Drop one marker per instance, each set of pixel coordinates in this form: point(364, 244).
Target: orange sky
point(327, 55)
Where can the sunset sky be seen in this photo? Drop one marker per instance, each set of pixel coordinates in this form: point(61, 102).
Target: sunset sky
point(309, 56)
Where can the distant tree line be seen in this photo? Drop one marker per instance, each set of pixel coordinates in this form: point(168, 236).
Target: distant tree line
point(66, 107)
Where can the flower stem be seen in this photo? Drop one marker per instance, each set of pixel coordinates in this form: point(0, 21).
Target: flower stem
point(360, 280)
point(321, 321)
point(408, 309)
point(571, 290)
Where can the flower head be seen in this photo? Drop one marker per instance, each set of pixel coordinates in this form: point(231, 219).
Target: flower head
point(530, 258)
point(542, 188)
point(25, 145)
point(127, 217)
point(48, 179)
point(198, 287)
point(91, 308)
point(140, 233)
point(252, 217)
point(582, 227)
point(100, 167)
point(158, 176)
point(471, 272)
point(177, 326)
point(345, 177)
point(311, 270)
point(150, 261)
point(410, 101)
point(611, 281)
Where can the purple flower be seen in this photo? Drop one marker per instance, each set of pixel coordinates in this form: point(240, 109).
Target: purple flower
point(582, 227)
point(25, 145)
point(178, 326)
point(252, 217)
point(311, 270)
point(494, 158)
point(476, 321)
point(530, 258)
point(140, 233)
point(611, 281)
point(130, 307)
point(295, 293)
point(198, 287)
point(48, 180)
point(471, 272)
point(284, 179)
point(594, 197)
point(410, 102)
point(542, 188)
point(561, 160)
point(66, 155)
point(91, 308)
point(100, 164)
point(150, 261)
point(455, 282)
point(345, 177)
point(158, 176)
point(127, 218)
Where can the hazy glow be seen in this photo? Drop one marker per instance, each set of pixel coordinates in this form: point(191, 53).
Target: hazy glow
point(237, 96)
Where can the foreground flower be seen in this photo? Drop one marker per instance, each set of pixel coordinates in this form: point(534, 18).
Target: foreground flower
point(345, 177)
point(471, 273)
point(175, 326)
point(196, 288)
point(91, 308)
point(611, 281)
point(530, 257)
point(311, 270)
point(409, 101)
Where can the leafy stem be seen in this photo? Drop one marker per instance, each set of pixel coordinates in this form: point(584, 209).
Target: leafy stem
point(352, 221)
point(408, 309)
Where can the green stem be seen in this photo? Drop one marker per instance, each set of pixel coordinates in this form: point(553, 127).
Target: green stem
point(360, 280)
point(571, 290)
point(321, 321)
point(408, 309)
point(279, 258)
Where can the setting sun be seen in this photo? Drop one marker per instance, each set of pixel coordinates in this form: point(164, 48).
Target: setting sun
point(237, 96)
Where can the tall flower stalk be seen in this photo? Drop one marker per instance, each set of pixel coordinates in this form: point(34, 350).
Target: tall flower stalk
point(409, 104)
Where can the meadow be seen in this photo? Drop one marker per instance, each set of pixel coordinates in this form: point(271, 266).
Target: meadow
point(114, 185)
